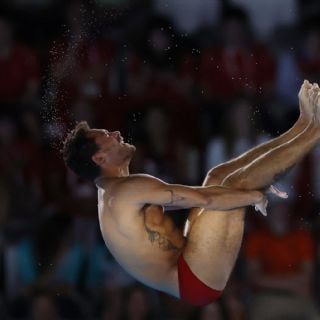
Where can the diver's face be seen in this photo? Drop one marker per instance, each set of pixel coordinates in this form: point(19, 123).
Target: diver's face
point(112, 148)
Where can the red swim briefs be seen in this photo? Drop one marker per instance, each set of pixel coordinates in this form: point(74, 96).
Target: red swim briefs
point(192, 289)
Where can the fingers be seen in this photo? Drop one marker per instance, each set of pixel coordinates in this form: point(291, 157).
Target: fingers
point(262, 207)
point(277, 192)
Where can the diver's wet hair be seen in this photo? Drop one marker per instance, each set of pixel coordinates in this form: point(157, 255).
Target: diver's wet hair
point(77, 151)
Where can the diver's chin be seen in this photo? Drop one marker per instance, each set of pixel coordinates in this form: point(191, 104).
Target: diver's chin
point(130, 150)
point(130, 146)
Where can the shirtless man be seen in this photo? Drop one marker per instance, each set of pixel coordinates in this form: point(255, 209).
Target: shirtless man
point(194, 266)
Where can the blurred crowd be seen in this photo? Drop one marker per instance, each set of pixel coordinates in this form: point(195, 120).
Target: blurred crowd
point(191, 84)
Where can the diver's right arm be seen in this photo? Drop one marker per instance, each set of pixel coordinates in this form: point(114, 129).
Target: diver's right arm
point(144, 189)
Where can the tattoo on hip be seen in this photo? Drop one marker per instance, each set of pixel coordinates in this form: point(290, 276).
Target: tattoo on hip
point(163, 242)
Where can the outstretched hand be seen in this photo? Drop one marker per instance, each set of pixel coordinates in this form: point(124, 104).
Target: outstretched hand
point(262, 205)
point(277, 192)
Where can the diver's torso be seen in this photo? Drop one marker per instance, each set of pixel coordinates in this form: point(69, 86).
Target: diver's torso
point(146, 243)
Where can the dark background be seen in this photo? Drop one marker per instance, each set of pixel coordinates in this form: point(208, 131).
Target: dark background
point(191, 84)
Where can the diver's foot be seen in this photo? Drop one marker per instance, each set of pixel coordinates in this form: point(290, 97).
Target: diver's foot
point(314, 98)
point(306, 109)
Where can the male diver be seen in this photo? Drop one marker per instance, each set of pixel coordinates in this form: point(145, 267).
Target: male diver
point(194, 265)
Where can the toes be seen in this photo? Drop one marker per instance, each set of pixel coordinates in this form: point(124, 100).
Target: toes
point(304, 86)
point(307, 84)
point(310, 92)
point(304, 89)
point(313, 92)
point(317, 100)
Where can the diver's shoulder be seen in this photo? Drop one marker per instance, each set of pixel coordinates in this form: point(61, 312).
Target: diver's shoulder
point(125, 183)
point(141, 178)
point(107, 183)
point(140, 175)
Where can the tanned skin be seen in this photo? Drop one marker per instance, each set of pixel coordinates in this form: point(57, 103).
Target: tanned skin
point(144, 239)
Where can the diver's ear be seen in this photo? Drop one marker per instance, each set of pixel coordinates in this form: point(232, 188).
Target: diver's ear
point(98, 159)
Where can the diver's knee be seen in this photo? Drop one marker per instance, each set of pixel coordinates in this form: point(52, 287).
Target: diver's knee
point(236, 180)
point(215, 176)
point(212, 180)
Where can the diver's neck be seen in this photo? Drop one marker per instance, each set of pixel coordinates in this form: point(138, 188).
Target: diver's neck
point(116, 172)
point(108, 176)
